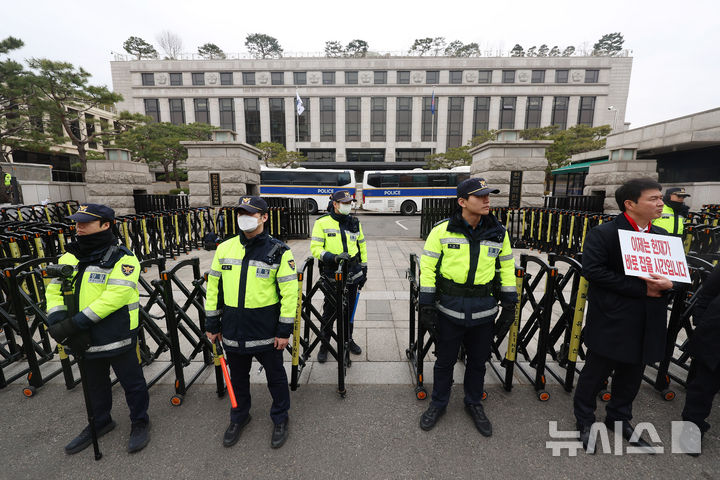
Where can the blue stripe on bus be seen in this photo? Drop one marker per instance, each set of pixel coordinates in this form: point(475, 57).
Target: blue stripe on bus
point(411, 192)
point(300, 190)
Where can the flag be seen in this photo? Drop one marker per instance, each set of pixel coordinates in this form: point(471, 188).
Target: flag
point(300, 107)
point(432, 103)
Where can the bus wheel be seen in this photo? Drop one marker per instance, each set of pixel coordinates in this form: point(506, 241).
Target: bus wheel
point(312, 206)
point(408, 208)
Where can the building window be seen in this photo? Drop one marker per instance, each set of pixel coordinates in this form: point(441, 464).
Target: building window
point(277, 120)
point(432, 77)
point(248, 78)
point(592, 76)
point(226, 78)
point(533, 112)
point(351, 78)
point(328, 78)
point(202, 110)
point(365, 155)
point(378, 110)
point(152, 108)
point(403, 77)
point(481, 115)
point(148, 79)
point(507, 112)
point(538, 76)
point(455, 121)
point(429, 121)
point(380, 78)
point(484, 76)
point(561, 76)
point(412, 154)
point(277, 78)
point(302, 122)
point(176, 79)
point(300, 78)
point(403, 119)
point(319, 155)
point(560, 111)
point(252, 121)
point(90, 129)
point(586, 111)
point(508, 76)
point(456, 76)
point(327, 119)
point(198, 78)
point(352, 119)
point(177, 111)
point(227, 113)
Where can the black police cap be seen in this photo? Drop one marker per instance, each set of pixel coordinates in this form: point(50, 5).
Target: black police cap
point(253, 204)
point(89, 212)
point(474, 186)
point(342, 196)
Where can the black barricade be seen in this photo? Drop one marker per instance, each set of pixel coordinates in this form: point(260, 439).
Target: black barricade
point(158, 203)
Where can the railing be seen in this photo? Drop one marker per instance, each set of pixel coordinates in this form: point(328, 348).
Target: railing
point(158, 203)
point(578, 203)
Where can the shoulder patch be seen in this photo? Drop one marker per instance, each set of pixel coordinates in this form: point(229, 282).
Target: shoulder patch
point(291, 263)
point(127, 270)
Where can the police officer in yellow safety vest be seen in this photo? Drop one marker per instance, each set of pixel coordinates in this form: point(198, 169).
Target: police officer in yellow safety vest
point(457, 296)
point(674, 211)
point(338, 236)
point(105, 281)
point(252, 296)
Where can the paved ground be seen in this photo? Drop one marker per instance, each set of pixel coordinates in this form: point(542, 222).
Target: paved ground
point(372, 433)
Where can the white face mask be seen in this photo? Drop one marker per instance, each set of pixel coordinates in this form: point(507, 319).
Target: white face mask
point(344, 208)
point(247, 223)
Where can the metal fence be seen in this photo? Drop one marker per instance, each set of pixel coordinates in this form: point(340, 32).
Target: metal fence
point(577, 203)
point(158, 203)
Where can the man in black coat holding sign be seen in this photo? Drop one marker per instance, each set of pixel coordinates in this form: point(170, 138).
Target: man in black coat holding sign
point(627, 316)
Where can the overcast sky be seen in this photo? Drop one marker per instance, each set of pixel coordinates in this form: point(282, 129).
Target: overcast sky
point(674, 43)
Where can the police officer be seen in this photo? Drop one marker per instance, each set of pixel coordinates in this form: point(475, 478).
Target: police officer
point(674, 211)
point(255, 315)
point(106, 277)
point(338, 236)
point(457, 298)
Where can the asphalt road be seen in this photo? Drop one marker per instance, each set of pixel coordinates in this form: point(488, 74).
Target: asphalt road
point(384, 225)
point(373, 433)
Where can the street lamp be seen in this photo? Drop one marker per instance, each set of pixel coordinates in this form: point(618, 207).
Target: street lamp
point(613, 109)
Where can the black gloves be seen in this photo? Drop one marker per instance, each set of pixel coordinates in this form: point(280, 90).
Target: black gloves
point(342, 256)
point(63, 330)
point(428, 317)
point(68, 333)
point(505, 320)
point(363, 279)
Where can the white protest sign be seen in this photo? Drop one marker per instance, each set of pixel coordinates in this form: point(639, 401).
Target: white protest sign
point(645, 253)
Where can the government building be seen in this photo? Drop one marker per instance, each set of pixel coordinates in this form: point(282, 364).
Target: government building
point(376, 112)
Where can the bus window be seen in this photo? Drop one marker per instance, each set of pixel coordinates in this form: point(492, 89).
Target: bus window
point(462, 177)
point(438, 180)
point(343, 178)
point(374, 180)
point(406, 180)
point(275, 178)
point(420, 180)
point(389, 181)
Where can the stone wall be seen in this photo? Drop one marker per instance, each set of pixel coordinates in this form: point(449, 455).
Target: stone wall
point(494, 161)
point(237, 163)
point(608, 176)
point(113, 182)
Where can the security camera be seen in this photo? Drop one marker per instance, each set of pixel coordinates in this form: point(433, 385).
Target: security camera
point(611, 107)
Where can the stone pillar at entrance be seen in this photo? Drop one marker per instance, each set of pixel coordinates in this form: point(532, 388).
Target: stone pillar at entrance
point(514, 166)
point(114, 180)
point(222, 170)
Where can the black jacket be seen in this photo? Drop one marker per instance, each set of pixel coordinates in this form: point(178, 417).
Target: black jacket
point(623, 323)
point(705, 341)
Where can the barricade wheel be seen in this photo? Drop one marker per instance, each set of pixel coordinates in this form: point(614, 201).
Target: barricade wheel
point(420, 393)
point(543, 396)
point(29, 391)
point(176, 400)
point(605, 395)
point(668, 395)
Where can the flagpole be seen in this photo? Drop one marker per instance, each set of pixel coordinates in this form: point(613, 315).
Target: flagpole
point(432, 121)
point(297, 122)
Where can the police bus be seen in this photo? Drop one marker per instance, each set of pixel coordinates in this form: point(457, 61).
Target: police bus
point(315, 185)
point(393, 191)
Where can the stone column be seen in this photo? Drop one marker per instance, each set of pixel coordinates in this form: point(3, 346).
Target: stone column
point(604, 178)
point(113, 181)
point(495, 160)
point(236, 163)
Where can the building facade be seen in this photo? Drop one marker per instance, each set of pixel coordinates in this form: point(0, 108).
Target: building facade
point(387, 112)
